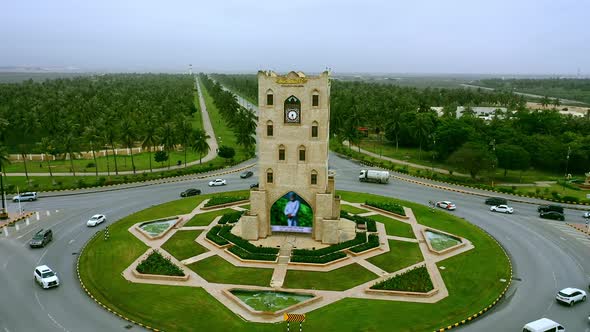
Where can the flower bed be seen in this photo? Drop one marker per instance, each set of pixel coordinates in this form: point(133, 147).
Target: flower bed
point(414, 280)
point(359, 239)
point(231, 217)
point(373, 242)
point(371, 225)
point(213, 235)
point(155, 263)
point(387, 206)
point(318, 259)
point(243, 254)
point(225, 232)
point(219, 200)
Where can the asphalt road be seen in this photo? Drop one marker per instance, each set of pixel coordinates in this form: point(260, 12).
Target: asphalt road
point(545, 258)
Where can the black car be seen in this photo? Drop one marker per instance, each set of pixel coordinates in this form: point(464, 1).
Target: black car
point(41, 238)
point(246, 174)
point(254, 185)
point(496, 201)
point(552, 215)
point(548, 208)
point(190, 192)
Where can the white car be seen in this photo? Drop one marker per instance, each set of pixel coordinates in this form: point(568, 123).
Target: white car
point(447, 205)
point(586, 215)
point(45, 277)
point(217, 182)
point(502, 208)
point(571, 296)
point(96, 219)
point(28, 196)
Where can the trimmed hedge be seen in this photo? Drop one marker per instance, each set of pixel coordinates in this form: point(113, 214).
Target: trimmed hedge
point(371, 224)
point(318, 259)
point(218, 200)
point(244, 244)
point(231, 217)
point(155, 263)
point(373, 242)
point(359, 239)
point(415, 280)
point(240, 252)
point(213, 235)
point(388, 206)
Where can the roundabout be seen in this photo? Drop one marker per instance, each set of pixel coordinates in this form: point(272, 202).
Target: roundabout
point(340, 289)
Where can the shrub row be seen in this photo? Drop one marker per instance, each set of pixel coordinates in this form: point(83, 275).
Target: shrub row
point(218, 200)
point(244, 244)
point(373, 242)
point(359, 239)
point(415, 280)
point(155, 263)
point(213, 235)
point(371, 224)
point(388, 206)
point(240, 252)
point(318, 259)
point(230, 217)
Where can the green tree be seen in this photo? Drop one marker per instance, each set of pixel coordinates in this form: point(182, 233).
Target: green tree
point(167, 138)
point(422, 128)
point(4, 160)
point(246, 131)
point(149, 138)
point(512, 157)
point(160, 157)
point(128, 137)
point(111, 136)
point(473, 158)
point(47, 145)
point(226, 152)
point(199, 143)
point(184, 129)
point(92, 138)
point(70, 144)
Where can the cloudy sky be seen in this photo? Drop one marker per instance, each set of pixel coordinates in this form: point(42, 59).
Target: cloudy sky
point(394, 36)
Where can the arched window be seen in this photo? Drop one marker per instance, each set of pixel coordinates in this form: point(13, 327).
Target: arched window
point(315, 98)
point(292, 110)
point(314, 177)
point(281, 152)
point(269, 98)
point(269, 176)
point(302, 153)
point(269, 129)
point(314, 129)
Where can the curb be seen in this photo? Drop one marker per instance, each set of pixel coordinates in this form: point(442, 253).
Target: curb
point(579, 230)
point(491, 305)
point(113, 187)
point(96, 300)
point(25, 216)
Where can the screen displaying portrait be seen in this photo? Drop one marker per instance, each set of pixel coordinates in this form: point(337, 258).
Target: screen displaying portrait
point(291, 213)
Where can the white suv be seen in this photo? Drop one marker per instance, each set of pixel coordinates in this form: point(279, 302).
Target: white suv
point(28, 196)
point(571, 296)
point(217, 182)
point(45, 277)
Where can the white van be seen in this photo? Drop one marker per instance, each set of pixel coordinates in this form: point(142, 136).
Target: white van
point(543, 325)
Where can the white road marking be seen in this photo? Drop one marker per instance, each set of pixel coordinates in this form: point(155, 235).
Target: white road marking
point(39, 301)
point(43, 255)
point(7, 330)
point(37, 215)
point(56, 323)
point(71, 241)
point(56, 211)
point(5, 231)
point(16, 226)
point(4, 265)
point(48, 213)
point(561, 237)
point(27, 221)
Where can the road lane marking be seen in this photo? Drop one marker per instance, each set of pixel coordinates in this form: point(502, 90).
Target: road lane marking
point(43, 255)
point(56, 323)
point(38, 301)
point(6, 330)
point(561, 237)
point(48, 213)
point(71, 241)
point(37, 215)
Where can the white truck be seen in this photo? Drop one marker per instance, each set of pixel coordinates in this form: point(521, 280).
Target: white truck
point(368, 175)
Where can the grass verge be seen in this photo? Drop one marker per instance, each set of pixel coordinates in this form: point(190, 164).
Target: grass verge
point(340, 279)
point(218, 270)
point(401, 254)
point(182, 245)
point(394, 227)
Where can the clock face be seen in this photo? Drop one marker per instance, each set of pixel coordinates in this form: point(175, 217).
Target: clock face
point(292, 116)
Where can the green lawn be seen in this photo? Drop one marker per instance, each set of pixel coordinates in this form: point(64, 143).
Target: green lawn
point(352, 209)
point(182, 245)
point(218, 270)
point(183, 308)
point(401, 255)
point(394, 227)
point(339, 279)
point(546, 191)
point(206, 218)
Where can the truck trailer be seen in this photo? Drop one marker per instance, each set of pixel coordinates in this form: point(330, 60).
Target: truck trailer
point(368, 175)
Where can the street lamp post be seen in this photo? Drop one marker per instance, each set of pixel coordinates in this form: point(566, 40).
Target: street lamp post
point(3, 213)
point(567, 162)
point(493, 144)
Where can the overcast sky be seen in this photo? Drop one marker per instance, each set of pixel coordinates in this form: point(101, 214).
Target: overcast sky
point(395, 36)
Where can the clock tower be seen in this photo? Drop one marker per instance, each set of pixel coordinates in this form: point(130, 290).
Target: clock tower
point(296, 192)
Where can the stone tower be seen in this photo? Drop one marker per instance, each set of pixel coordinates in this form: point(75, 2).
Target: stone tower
point(293, 133)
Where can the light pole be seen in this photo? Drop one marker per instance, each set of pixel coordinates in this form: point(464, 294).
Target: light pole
point(3, 213)
point(433, 150)
point(493, 144)
point(567, 162)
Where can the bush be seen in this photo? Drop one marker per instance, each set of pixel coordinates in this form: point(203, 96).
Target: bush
point(218, 200)
point(90, 165)
point(359, 239)
point(373, 242)
point(570, 199)
point(81, 183)
point(318, 259)
point(415, 280)
point(213, 236)
point(371, 225)
point(231, 217)
point(388, 206)
point(158, 264)
point(225, 232)
point(240, 252)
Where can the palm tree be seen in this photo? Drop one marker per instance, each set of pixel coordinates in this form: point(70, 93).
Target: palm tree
point(109, 133)
point(48, 147)
point(422, 126)
point(556, 102)
point(70, 144)
point(92, 136)
point(149, 138)
point(199, 143)
point(128, 137)
point(4, 160)
point(246, 129)
point(545, 101)
point(184, 129)
point(167, 138)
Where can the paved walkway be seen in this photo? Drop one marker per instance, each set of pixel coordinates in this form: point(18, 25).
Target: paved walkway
point(210, 155)
point(281, 268)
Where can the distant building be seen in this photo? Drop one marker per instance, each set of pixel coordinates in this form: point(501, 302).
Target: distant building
point(483, 112)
